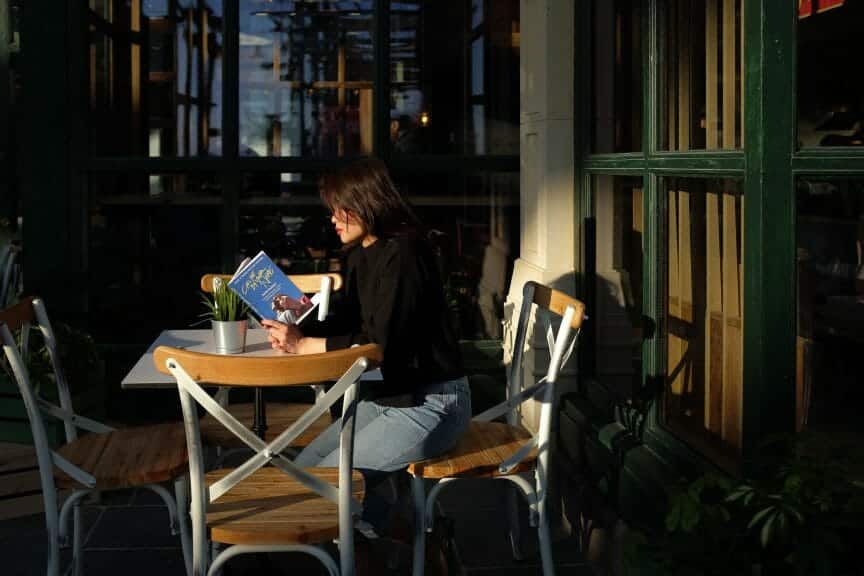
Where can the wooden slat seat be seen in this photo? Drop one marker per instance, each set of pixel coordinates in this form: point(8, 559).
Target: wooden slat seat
point(270, 507)
point(483, 447)
point(127, 458)
point(279, 417)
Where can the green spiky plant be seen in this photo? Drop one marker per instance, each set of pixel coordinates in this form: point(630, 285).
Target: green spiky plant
point(223, 304)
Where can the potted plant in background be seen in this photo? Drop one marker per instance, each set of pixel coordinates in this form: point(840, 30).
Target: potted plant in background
point(227, 313)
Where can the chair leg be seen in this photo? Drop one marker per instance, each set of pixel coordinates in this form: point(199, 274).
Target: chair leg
point(419, 493)
point(181, 494)
point(545, 539)
point(515, 531)
point(53, 525)
point(77, 540)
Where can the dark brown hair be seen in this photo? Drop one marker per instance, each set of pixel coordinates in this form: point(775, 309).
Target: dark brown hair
point(364, 188)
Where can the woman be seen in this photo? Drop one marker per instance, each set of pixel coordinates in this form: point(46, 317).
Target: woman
point(394, 298)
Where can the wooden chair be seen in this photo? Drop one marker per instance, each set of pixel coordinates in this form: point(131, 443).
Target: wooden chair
point(279, 414)
point(106, 459)
point(497, 450)
point(280, 508)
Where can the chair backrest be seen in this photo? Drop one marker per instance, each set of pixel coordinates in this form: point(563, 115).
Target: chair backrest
point(21, 316)
point(307, 283)
point(191, 368)
point(322, 284)
point(28, 312)
point(561, 345)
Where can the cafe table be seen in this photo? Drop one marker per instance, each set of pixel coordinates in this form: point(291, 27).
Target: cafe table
point(144, 376)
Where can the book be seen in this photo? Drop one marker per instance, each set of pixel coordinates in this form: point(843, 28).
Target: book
point(270, 293)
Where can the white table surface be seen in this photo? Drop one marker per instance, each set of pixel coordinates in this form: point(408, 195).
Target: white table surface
point(144, 374)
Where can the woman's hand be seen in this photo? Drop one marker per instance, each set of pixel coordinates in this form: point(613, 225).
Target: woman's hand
point(283, 337)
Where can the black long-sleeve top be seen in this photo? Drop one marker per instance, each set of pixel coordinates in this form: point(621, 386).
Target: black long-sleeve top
point(394, 297)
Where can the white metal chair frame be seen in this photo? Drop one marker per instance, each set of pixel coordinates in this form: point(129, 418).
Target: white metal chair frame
point(561, 347)
point(269, 453)
point(57, 524)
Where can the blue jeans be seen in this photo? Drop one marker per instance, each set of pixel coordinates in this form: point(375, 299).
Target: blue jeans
point(391, 433)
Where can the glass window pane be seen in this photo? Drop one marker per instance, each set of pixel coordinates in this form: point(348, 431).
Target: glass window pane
point(829, 371)
point(460, 96)
point(616, 98)
point(282, 214)
point(475, 219)
point(704, 319)
point(830, 90)
point(701, 76)
point(618, 236)
point(145, 257)
point(298, 236)
point(155, 78)
point(131, 188)
point(306, 72)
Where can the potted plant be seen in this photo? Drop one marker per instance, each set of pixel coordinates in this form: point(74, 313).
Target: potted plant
point(227, 313)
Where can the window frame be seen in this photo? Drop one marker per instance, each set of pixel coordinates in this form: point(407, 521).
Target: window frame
point(768, 165)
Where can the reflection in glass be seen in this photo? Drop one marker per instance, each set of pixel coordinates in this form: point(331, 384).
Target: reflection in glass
point(616, 97)
point(306, 75)
point(458, 96)
point(704, 321)
point(473, 221)
point(829, 371)
point(702, 78)
point(830, 88)
point(139, 188)
point(287, 187)
point(144, 267)
point(475, 226)
point(618, 233)
point(155, 77)
point(298, 237)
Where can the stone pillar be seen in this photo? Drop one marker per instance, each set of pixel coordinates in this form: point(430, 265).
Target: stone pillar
point(548, 244)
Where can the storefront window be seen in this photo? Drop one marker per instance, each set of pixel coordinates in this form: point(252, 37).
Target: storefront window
point(704, 319)
point(155, 77)
point(474, 219)
point(830, 93)
point(618, 232)
point(460, 95)
point(616, 95)
point(830, 233)
point(147, 253)
point(702, 76)
point(306, 75)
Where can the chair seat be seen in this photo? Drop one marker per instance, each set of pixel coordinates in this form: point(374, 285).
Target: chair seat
point(128, 457)
point(483, 447)
point(279, 416)
point(271, 507)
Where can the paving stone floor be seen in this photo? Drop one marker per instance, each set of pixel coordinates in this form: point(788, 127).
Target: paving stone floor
point(131, 537)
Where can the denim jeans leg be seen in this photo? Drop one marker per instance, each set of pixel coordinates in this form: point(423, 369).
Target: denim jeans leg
point(398, 436)
point(328, 441)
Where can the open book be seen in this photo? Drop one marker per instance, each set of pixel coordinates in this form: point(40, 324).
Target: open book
point(269, 292)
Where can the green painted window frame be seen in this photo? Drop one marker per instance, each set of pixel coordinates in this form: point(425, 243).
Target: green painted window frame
point(768, 165)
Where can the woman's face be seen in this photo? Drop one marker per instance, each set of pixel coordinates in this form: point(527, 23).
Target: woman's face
point(348, 227)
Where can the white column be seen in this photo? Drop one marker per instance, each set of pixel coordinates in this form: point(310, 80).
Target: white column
point(548, 247)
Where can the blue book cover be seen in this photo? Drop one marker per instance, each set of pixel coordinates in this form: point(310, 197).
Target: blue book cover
point(269, 293)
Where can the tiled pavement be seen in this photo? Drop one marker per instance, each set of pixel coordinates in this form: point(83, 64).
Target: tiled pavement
point(131, 537)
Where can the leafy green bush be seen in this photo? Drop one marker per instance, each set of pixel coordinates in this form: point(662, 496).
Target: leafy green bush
point(801, 512)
